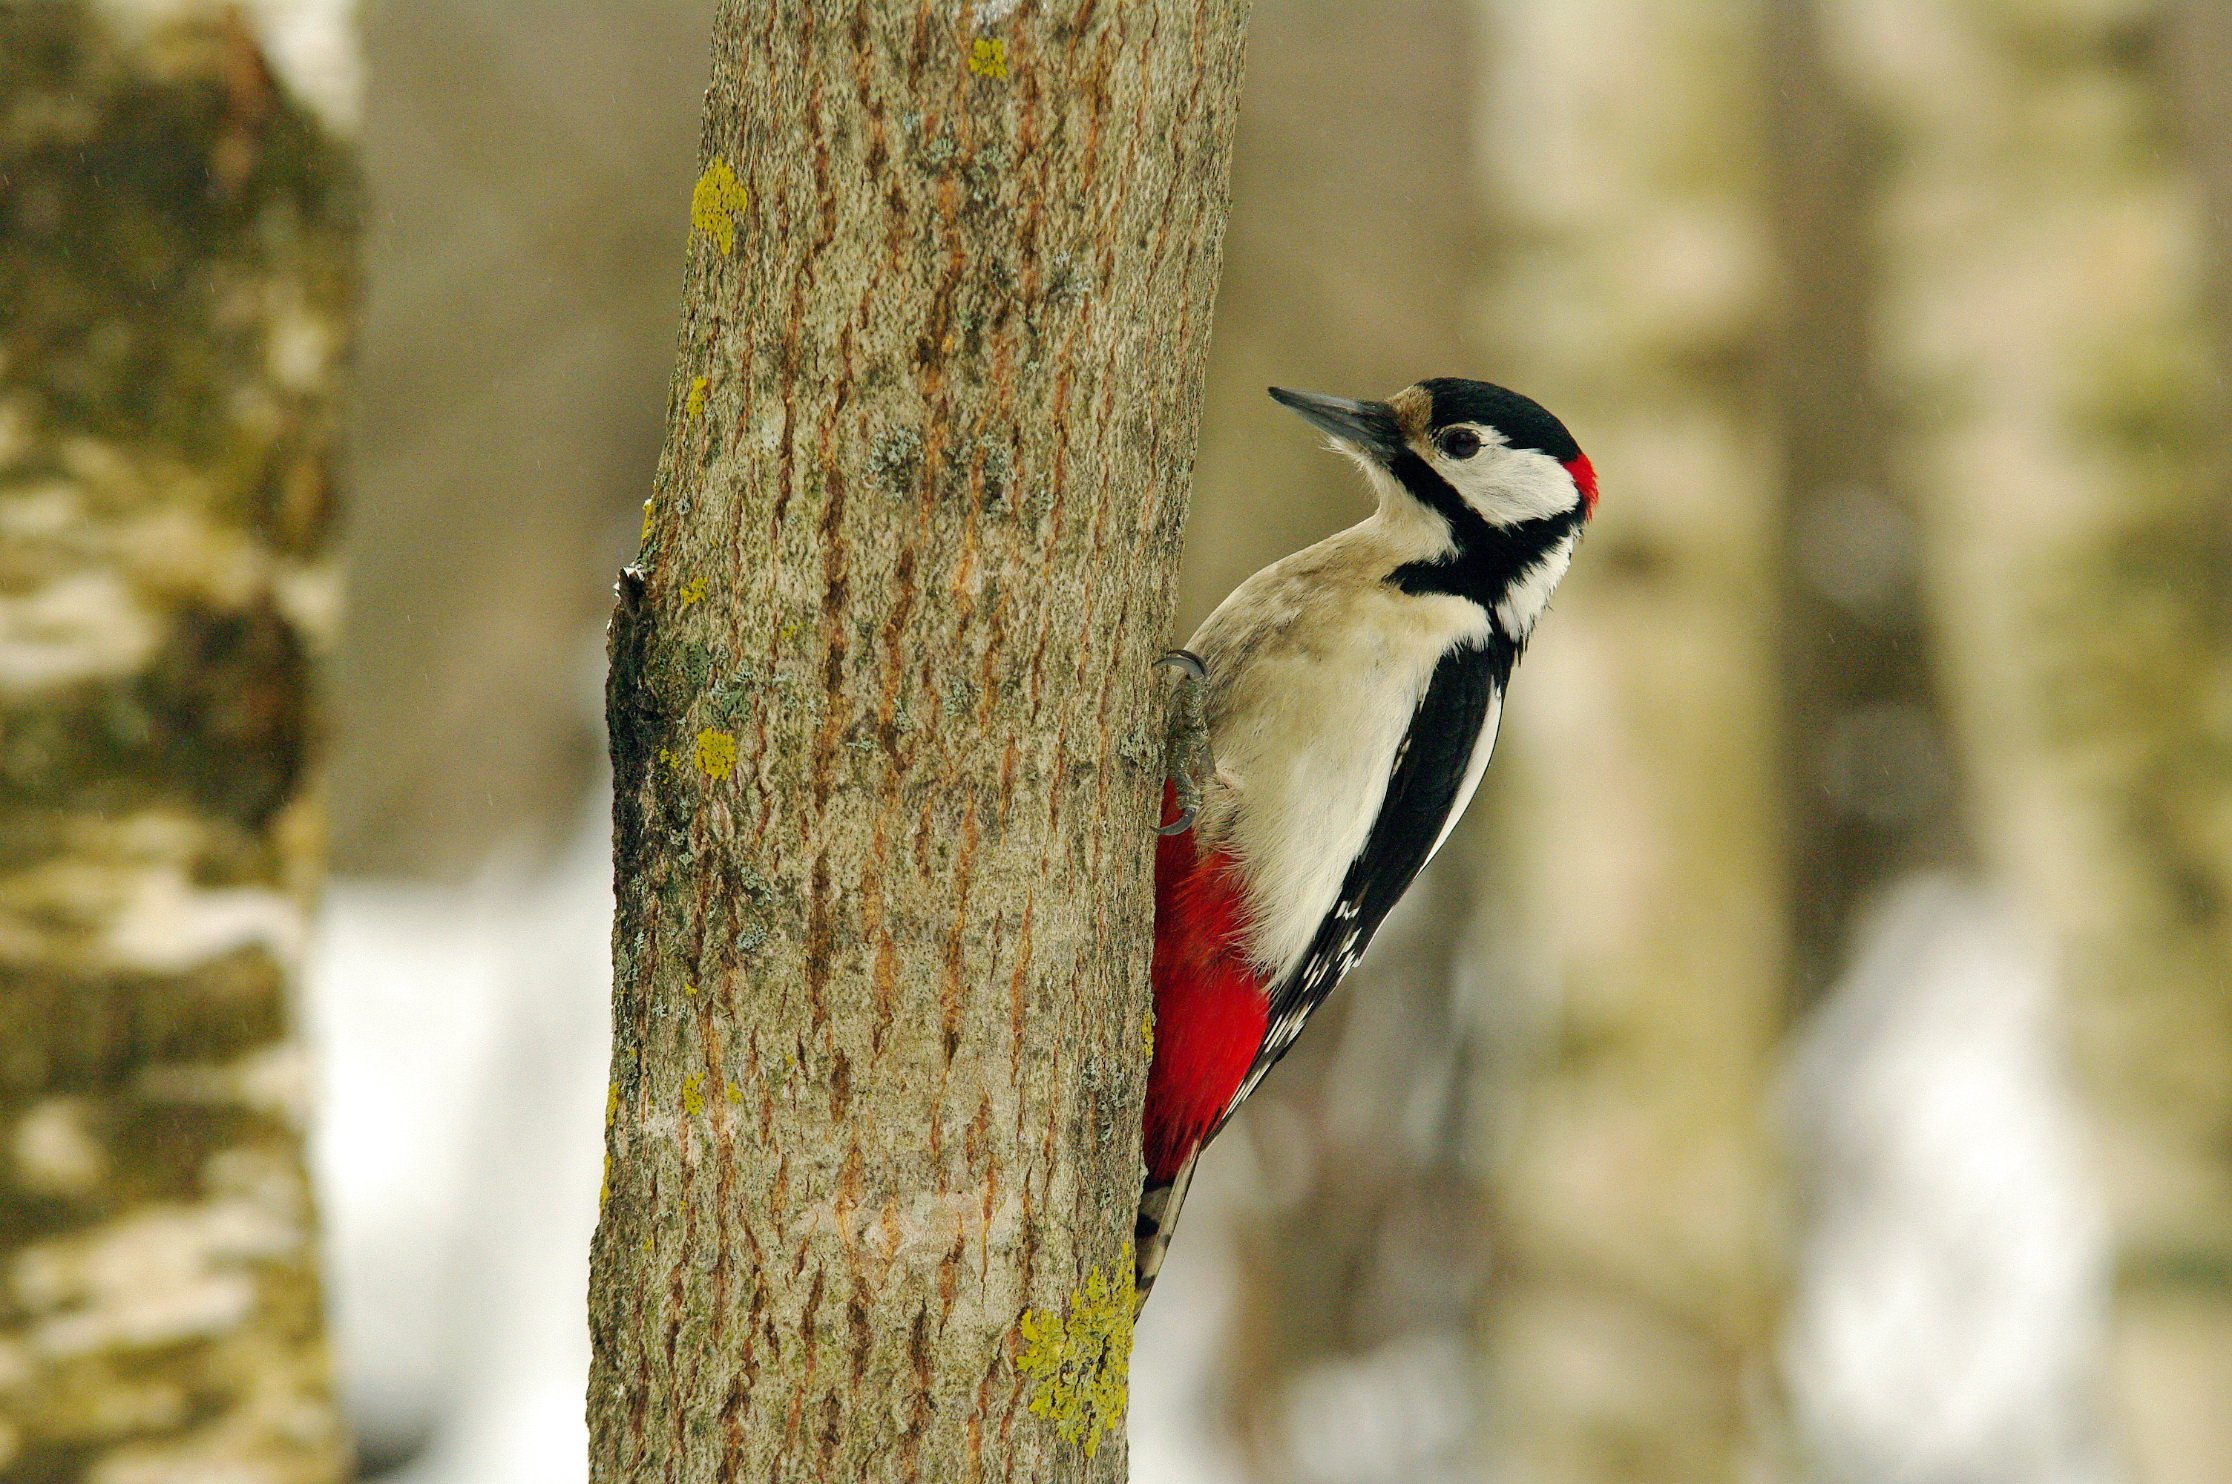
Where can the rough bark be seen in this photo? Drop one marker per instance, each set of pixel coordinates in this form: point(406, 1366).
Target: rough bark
point(1364, 1266)
point(2048, 310)
point(1631, 1304)
point(886, 743)
point(176, 260)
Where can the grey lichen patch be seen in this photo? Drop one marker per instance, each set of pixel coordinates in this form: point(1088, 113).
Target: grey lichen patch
point(679, 669)
point(935, 153)
point(895, 460)
point(986, 173)
point(1142, 751)
point(1067, 281)
point(995, 463)
point(733, 697)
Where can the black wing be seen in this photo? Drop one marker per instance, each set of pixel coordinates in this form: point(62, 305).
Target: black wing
point(1429, 770)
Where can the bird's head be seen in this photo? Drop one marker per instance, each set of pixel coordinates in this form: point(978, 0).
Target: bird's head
point(1461, 448)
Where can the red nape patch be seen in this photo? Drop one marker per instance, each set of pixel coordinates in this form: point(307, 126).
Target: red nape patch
point(1210, 1012)
point(1584, 475)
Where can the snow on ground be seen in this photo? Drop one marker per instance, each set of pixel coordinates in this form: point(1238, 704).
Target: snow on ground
point(1953, 1265)
point(464, 1040)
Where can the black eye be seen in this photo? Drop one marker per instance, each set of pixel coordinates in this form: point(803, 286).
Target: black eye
point(1459, 443)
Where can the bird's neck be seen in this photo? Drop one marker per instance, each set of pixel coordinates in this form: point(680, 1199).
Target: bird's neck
point(1509, 570)
point(1439, 544)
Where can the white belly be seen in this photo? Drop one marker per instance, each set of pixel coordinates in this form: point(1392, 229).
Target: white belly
point(1306, 717)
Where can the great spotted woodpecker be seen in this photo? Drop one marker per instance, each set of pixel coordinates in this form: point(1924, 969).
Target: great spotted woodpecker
point(1344, 702)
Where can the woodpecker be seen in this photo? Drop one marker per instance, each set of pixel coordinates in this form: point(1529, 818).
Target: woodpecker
point(1336, 713)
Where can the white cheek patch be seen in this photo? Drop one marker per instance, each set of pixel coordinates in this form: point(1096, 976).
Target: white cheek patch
point(1507, 486)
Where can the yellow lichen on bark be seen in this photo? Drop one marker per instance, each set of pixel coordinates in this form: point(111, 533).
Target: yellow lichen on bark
point(716, 201)
point(1078, 1358)
point(716, 754)
point(988, 58)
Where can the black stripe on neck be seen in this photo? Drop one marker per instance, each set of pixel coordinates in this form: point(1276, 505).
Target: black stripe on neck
point(1489, 558)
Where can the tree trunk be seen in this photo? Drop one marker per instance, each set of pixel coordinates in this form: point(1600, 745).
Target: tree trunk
point(887, 748)
point(177, 233)
point(2049, 296)
point(1631, 1305)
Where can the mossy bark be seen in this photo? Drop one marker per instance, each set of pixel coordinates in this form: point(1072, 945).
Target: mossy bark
point(176, 260)
point(886, 742)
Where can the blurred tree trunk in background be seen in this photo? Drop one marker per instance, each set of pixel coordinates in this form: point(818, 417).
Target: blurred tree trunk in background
point(1868, 789)
point(1630, 1313)
point(2045, 307)
point(2197, 53)
point(177, 233)
point(1348, 269)
point(885, 745)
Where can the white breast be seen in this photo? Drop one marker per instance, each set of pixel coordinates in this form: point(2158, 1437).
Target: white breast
point(1314, 680)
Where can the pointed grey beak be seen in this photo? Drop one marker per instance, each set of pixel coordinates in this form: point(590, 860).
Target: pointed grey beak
point(1369, 426)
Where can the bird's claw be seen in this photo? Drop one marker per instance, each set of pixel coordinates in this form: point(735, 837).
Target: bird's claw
point(1186, 745)
point(1184, 660)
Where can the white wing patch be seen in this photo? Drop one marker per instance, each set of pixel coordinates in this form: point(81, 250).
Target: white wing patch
point(1484, 747)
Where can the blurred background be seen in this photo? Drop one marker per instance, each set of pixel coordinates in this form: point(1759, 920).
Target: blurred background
point(1812, 1059)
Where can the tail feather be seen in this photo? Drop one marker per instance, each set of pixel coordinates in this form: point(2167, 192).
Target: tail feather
point(1159, 1201)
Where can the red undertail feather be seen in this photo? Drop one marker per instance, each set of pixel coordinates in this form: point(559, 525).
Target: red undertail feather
point(1210, 1010)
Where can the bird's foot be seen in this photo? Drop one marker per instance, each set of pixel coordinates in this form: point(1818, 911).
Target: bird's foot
point(1186, 756)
